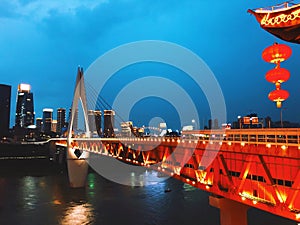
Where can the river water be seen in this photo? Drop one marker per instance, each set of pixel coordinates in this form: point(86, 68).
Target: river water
point(46, 199)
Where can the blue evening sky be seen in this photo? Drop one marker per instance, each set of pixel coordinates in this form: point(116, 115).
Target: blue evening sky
point(43, 41)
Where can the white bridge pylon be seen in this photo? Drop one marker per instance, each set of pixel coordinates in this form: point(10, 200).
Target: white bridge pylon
point(77, 164)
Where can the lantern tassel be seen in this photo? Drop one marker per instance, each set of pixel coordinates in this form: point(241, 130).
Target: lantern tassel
point(278, 104)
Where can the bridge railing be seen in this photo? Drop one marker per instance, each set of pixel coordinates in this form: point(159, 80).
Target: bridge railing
point(280, 136)
point(273, 136)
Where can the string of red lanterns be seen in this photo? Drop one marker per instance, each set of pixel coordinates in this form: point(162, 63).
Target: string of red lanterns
point(276, 54)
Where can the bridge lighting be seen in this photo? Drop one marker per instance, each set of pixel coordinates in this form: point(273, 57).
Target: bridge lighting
point(193, 182)
point(203, 142)
point(243, 144)
point(187, 180)
point(243, 198)
point(229, 143)
point(207, 187)
point(268, 145)
point(283, 147)
point(254, 202)
point(298, 216)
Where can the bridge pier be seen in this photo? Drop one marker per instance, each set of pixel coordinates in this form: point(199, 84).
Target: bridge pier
point(77, 169)
point(231, 212)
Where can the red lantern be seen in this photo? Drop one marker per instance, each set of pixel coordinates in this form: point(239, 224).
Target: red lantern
point(277, 76)
point(278, 96)
point(277, 53)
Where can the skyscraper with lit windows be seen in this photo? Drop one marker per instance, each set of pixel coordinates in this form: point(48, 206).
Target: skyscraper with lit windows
point(109, 120)
point(94, 118)
point(47, 120)
point(61, 120)
point(24, 107)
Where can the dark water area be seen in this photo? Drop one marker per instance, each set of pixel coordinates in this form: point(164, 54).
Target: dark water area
point(35, 195)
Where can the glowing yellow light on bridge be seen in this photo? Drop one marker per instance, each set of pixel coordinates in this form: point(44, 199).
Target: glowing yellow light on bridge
point(298, 216)
point(243, 144)
point(203, 142)
point(172, 173)
point(243, 198)
point(229, 143)
point(254, 202)
point(283, 147)
point(193, 182)
point(207, 187)
point(268, 145)
point(187, 180)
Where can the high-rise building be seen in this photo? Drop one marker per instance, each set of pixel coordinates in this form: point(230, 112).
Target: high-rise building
point(5, 95)
point(47, 120)
point(216, 124)
point(61, 120)
point(109, 120)
point(98, 116)
point(94, 118)
point(24, 109)
point(91, 119)
point(54, 125)
point(39, 124)
point(210, 124)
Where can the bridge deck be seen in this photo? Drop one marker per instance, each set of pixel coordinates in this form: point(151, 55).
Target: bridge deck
point(257, 167)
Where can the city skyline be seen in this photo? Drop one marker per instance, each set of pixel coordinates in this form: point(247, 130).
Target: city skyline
point(60, 36)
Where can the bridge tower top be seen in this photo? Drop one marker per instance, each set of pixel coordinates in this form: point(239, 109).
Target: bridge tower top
point(79, 94)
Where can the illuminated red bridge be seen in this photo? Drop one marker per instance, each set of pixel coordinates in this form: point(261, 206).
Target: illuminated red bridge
point(256, 167)
point(241, 168)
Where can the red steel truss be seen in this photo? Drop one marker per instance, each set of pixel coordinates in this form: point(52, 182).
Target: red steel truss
point(257, 167)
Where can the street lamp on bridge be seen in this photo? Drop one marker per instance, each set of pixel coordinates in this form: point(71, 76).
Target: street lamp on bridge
point(281, 121)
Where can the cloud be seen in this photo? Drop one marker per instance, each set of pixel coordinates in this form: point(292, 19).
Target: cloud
point(41, 9)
